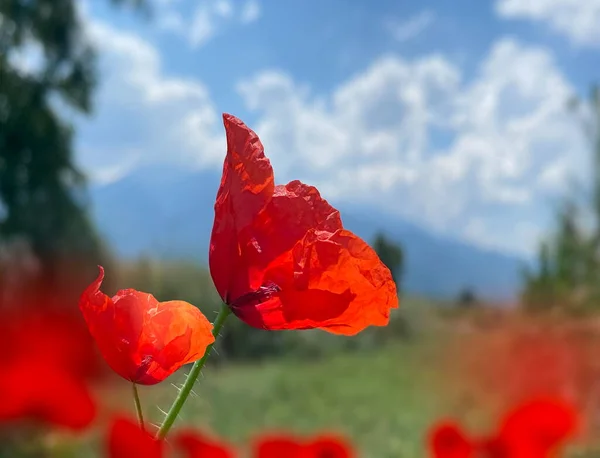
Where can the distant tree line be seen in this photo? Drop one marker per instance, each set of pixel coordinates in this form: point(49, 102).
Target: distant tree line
point(566, 274)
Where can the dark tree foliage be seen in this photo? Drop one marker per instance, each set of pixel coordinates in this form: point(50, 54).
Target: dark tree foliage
point(42, 197)
point(392, 255)
point(467, 298)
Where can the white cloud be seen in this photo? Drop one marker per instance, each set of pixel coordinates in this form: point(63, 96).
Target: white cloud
point(209, 18)
point(415, 138)
point(579, 20)
point(251, 11)
point(171, 21)
point(475, 157)
point(412, 27)
point(148, 115)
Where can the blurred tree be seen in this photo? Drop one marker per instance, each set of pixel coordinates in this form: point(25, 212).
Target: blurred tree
point(567, 274)
point(392, 255)
point(46, 68)
point(466, 298)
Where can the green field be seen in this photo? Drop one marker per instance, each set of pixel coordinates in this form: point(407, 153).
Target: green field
point(383, 400)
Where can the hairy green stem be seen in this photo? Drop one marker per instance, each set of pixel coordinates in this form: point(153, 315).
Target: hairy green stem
point(192, 376)
point(138, 407)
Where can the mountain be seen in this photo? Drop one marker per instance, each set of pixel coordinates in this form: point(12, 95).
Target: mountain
point(168, 213)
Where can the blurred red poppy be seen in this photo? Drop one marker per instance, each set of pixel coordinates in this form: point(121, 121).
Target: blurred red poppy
point(328, 447)
point(199, 446)
point(288, 446)
point(277, 446)
point(126, 440)
point(144, 340)
point(447, 440)
point(536, 428)
point(279, 255)
point(45, 373)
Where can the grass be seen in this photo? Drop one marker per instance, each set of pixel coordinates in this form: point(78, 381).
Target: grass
point(383, 400)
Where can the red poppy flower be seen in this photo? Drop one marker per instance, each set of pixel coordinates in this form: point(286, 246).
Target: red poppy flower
point(144, 340)
point(277, 446)
point(126, 440)
point(447, 440)
point(328, 447)
point(44, 374)
point(538, 427)
point(288, 446)
point(200, 446)
point(279, 255)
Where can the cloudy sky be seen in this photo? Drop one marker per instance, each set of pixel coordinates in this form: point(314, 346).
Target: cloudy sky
point(449, 114)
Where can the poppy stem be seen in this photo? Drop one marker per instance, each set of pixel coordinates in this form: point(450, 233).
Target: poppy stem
point(138, 407)
point(192, 376)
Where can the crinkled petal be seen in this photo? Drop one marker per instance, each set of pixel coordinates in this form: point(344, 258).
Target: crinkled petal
point(246, 187)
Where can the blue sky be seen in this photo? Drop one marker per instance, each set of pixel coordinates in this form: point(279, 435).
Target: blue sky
point(449, 114)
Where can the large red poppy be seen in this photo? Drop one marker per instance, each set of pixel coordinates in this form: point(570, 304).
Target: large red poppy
point(144, 340)
point(279, 255)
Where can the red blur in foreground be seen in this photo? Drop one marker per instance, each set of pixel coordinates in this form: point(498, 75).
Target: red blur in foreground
point(447, 440)
point(127, 440)
point(144, 340)
point(278, 446)
point(44, 376)
point(279, 256)
point(535, 429)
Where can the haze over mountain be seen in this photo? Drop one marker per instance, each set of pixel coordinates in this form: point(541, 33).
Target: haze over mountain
point(168, 213)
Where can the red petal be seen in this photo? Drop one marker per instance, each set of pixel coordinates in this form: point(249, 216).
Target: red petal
point(142, 339)
point(246, 187)
point(127, 440)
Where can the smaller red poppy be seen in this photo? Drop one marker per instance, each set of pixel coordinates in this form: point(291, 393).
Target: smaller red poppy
point(144, 340)
point(447, 440)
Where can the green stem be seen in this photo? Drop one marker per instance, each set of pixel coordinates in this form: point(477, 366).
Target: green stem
point(138, 406)
point(192, 376)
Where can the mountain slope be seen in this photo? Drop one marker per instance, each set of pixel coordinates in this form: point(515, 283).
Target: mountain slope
point(169, 213)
